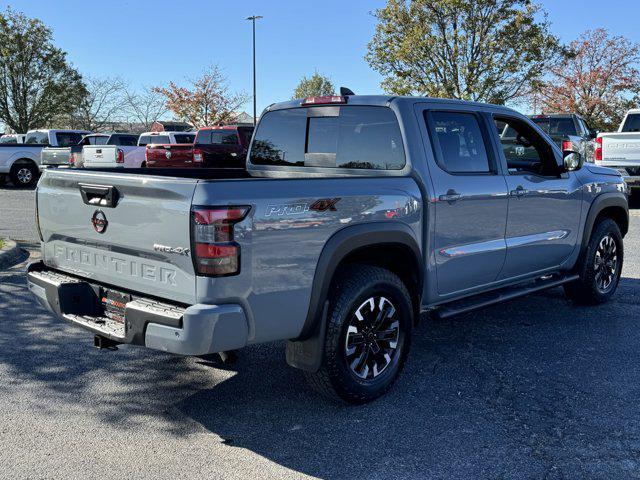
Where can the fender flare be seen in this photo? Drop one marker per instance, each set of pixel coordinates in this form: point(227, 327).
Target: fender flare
point(305, 352)
point(605, 200)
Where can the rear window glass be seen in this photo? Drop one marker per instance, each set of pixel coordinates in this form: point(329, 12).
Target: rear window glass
point(159, 139)
point(38, 138)
point(556, 126)
point(184, 138)
point(632, 123)
point(66, 139)
point(217, 137)
point(359, 137)
point(125, 140)
point(95, 140)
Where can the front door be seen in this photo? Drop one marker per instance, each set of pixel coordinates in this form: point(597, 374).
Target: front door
point(471, 201)
point(544, 205)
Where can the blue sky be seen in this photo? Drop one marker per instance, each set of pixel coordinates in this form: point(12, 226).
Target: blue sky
point(153, 42)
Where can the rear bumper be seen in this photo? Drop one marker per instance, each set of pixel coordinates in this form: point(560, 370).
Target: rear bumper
point(186, 330)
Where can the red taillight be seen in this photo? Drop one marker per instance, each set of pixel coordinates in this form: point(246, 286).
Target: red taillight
point(197, 155)
point(146, 154)
point(324, 100)
point(72, 159)
point(215, 252)
point(567, 145)
point(120, 157)
point(597, 154)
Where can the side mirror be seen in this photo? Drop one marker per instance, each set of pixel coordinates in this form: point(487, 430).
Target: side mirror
point(593, 134)
point(572, 161)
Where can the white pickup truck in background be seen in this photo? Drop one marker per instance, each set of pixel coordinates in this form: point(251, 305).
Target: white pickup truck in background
point(119, 150)
point(116, 154)
point(21, 161)
point(621, 150)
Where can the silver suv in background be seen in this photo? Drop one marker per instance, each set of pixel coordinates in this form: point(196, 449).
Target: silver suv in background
point(354, 215)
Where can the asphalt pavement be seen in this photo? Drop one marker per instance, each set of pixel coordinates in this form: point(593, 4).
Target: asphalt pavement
point(533, 388)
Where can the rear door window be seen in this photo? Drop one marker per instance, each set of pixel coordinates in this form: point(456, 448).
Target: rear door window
point(358, 137)
point(37, 138)
point(66, 139)
point(458, 142)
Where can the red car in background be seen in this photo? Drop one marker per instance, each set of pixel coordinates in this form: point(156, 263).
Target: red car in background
point(214, 147)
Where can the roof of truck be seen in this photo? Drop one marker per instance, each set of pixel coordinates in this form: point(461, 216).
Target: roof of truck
point(383, 101)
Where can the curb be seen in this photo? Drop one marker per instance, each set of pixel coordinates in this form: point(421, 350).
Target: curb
point(9, 254)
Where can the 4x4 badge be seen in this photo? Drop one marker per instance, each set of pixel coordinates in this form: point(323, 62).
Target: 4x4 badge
point(99, 221)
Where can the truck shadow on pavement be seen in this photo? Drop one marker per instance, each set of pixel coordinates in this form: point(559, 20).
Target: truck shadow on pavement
point(529, 388)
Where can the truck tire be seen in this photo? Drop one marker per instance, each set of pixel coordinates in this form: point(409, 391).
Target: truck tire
point(368, 335)
point(23, 174)
point(600, 267)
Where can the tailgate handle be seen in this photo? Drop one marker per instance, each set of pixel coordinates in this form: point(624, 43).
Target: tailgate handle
point(99, 195)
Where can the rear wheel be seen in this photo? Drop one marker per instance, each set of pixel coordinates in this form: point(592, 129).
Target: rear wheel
point(601, 266)
point(368, 335)
point(23, 174)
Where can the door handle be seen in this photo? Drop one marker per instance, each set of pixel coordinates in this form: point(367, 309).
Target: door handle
point(520, 191)
point(451, 196)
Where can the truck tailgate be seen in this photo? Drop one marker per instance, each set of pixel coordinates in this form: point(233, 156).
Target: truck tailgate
point(55, 156)
point(100, 156)
point(620, 149)
point(138, 241)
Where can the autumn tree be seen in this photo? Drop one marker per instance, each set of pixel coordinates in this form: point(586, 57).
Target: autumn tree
point(599, 80)
point(205, 101)
point(37, 84)
point(483, 50)
point(315, 86)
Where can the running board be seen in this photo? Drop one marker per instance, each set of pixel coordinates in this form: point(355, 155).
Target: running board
point(508, 293)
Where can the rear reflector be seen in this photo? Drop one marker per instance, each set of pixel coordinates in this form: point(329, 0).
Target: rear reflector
point(326, 99)
point(215, 253)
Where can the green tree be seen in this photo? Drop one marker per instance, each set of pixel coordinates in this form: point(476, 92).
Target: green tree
point(315, 86)
point(37, 84)
point(482, 50)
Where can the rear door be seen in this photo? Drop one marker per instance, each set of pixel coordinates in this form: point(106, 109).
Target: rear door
point(544, 205)
point(128, 231)
point(470, 196)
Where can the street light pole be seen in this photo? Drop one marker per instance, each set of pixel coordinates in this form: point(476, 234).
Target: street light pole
point(253, 19)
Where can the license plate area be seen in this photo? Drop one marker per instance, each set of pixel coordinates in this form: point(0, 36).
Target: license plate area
point(114, 303)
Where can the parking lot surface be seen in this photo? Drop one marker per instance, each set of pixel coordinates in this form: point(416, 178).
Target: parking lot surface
point(533, 388)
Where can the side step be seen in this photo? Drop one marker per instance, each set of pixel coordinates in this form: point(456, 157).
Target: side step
point(498, 296)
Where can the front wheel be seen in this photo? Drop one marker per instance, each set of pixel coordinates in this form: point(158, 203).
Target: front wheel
point(368, 335)
point(601, 266)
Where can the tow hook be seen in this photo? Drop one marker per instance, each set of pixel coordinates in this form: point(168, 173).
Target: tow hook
point(102, 343)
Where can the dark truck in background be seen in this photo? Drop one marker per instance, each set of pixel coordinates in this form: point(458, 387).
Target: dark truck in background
point(355, 214)
point(570, 132)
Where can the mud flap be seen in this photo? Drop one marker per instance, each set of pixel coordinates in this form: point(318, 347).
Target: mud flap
point(307, 354)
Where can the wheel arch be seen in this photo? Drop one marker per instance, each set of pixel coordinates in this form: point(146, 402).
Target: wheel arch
point(389, 245)
point(608, 205)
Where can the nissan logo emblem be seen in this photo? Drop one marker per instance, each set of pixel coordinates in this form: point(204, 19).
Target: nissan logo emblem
point(99, 221)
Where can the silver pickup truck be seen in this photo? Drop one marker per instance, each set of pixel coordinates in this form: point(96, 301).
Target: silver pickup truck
point(355, 215)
